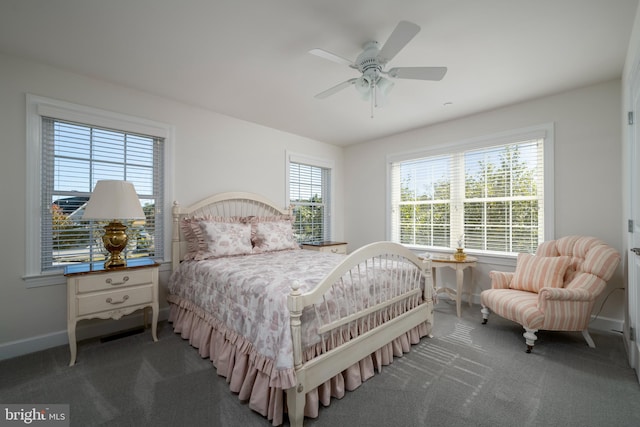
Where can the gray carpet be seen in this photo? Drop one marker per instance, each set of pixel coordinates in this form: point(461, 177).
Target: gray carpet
point(468, 374)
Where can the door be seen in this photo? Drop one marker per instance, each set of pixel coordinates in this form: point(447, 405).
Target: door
point(633, 291)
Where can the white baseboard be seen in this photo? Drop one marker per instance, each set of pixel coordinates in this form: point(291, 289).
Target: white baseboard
point(606, 324)
point(90, 330)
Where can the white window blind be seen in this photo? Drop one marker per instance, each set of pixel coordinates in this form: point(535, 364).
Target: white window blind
point(309, 194)
point(422, 201)
point(74, 157)
point(488, 199)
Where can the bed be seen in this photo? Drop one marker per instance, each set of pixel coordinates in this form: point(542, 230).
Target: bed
point(288, 328)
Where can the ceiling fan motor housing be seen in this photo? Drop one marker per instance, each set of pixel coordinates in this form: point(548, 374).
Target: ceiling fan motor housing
point(368, 62)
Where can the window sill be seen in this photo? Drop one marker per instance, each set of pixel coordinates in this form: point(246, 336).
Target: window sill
point(52, 278)
point(497, 259)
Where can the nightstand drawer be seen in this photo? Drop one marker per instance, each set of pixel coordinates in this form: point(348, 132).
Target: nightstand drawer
point(114, 280)
point(105, 301)
point(336, 249)
point(328, 246)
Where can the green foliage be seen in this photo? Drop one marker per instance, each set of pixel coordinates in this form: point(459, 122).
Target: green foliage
point(309, 219)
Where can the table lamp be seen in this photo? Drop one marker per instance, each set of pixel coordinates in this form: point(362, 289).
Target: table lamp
point(114, 200)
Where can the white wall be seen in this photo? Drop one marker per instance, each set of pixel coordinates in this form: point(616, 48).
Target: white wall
point(211, 153)
point(588, 194)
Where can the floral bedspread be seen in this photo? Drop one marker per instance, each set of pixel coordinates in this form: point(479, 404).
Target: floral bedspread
point(248, 294)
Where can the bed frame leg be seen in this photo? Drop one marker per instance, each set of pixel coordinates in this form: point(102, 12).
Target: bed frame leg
point(295, 405)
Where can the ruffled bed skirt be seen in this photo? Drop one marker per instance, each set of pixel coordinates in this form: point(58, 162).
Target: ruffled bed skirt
point(253, 377)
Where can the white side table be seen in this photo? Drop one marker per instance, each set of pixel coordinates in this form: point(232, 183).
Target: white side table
point(438, 261)
point(93, 292)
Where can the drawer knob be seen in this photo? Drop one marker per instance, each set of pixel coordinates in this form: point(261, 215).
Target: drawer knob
point(125, 279)
point(111, 301)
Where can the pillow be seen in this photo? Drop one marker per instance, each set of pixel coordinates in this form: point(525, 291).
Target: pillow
point(536, 272)
point(270, 234)
point(187, 226)
point(195, 236)
point(225, 239)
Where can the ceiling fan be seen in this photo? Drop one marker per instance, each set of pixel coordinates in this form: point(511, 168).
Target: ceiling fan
point(372, 85)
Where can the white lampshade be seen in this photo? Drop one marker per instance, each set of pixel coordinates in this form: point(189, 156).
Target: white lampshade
point(113, 199)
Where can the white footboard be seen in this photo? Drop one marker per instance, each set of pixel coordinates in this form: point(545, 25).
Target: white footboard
point(398, 298)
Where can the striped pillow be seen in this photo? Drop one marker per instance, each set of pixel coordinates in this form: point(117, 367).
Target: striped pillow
point(535, 272)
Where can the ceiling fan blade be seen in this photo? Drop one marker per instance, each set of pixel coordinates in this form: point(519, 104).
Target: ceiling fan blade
point(401, 35)
point(418, 73)
point(335, 89)
point(330, 56)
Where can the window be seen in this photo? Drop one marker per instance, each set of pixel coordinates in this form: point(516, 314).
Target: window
point(309, 194)
point(75, 156)
point(487, 195)
point(74, 147)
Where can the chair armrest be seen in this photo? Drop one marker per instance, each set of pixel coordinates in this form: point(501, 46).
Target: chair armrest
point(500, 279)
point(590, 283)
point(565, 309)
point(564, 294)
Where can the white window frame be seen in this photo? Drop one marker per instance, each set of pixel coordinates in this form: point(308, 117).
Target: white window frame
point(320, 163)
point(38, 107)
point(542, 131)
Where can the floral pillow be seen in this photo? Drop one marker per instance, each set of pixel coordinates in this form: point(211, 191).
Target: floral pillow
point(225, 239)
point(197, 238)
point(272, 234)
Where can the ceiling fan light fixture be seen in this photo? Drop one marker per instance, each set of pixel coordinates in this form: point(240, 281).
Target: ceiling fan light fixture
point(363, 86)
point(384, 86)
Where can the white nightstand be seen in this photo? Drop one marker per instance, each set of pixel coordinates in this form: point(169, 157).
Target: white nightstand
point(93, 292)
point(327, 246)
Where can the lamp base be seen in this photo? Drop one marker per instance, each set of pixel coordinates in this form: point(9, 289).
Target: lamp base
point(115, 241)
point(118, 262)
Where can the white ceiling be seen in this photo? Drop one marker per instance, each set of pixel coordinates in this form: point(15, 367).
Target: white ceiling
point(250, 60)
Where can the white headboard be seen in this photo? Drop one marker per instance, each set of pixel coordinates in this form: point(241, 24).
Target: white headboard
point(221, 205)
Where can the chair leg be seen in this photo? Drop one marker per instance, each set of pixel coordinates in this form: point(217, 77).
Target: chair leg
point(587, 337)
point(530, 338)
point(485, 314)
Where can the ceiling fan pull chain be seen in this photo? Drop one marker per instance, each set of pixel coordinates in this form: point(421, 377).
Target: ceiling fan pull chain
point(373, 95)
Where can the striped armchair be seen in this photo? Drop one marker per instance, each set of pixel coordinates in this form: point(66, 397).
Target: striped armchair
point(555, 289)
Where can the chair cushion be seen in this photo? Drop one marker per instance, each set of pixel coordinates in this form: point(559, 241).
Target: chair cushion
point(588, 254)
point(517, 306)
point(535, 272)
